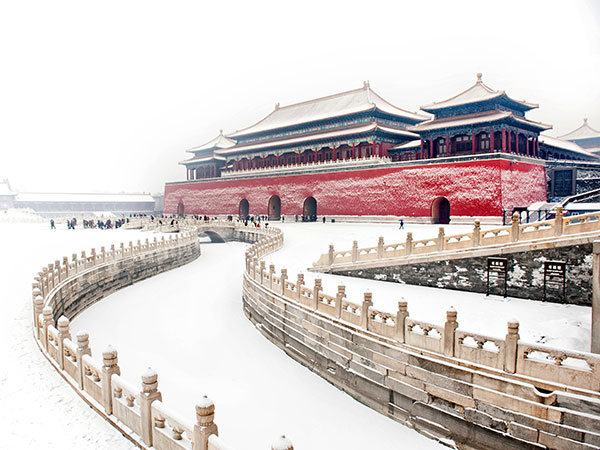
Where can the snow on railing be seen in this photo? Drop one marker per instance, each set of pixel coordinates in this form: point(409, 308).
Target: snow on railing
point(560, 226)
point(147, 420)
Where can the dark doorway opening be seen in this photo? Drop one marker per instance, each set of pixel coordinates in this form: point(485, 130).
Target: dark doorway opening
point(440, 211)
point(309, 211)
point(244, 209)
point(274, 209)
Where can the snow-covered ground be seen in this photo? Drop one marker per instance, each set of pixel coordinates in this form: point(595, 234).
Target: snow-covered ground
point(188, 325)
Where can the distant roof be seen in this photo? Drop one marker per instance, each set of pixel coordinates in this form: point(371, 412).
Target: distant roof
point(350, 102)
point(583, 132)
point(562, 144)
point(479, 92)
point(87, 198)
point(5, 188)
point(482, 117)
point(335, 133)
point(202, 159)
point(219, 142)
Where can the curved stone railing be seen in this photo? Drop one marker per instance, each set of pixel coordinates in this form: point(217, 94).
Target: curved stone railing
point(63, 290)
point(516, 233)
point(479, 390)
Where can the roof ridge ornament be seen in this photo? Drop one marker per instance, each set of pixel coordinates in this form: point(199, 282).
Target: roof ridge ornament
point(585, 121)
point(479, 75)
point(276, 106)
point(221, 132)
point(366, 84)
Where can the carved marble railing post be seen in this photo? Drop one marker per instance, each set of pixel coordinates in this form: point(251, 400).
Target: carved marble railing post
point(299, 284)
point(515, 228)
point(93, 257)
point(559, 221)
point(67, 269)
point(380, 247)
point(149, 394)
point(38, 307)
point(47, 313)
point(401, 316)
point(63, 333)
point(441, 239)
point(254, 264)
point(271, 274)
point(596, 297)
point(449, 328)
point(330, 255)
point(109, 367)
point(103, 254)
point(284, 277)
point(476, 239)
point(339, 300)
point(83, 348)
point(59, 273)
point(84, 259)
point(282, 443)
point(364, 310)
point(205, 424)
point(262, 272)
point(112, 252)
point(511, 343)
point(409, 243)
point(354, 251)
point(316, 292)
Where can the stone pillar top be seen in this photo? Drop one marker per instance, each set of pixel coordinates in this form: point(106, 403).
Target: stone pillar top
point(110, 357)
point(205, 411)
point(83, 339)
point(63, 324)
point(451, 314)
point(282, 443)
point(149, 381)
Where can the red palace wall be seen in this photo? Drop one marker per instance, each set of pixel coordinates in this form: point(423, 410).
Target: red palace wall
point(473, 188)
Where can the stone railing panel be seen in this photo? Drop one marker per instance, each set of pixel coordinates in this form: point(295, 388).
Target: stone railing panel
point(92, 378)
point(126, 403)
point(479, 349)
point(424, 335)
point(169, 431)
point(577, 369)
point(70, 359)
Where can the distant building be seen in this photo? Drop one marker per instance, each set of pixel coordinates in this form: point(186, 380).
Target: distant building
point(584, 136)
point(7, 196)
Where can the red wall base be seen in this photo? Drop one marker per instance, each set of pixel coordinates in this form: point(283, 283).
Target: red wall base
point(473, 188)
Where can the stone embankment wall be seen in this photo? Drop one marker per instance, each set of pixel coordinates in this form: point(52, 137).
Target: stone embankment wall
point(63, 290)
point(479, 391)
point(460, 261)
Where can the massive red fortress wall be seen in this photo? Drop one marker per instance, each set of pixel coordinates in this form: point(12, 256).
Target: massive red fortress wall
point(473, 188)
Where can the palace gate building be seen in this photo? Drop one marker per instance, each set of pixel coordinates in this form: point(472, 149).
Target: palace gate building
point(355, 154)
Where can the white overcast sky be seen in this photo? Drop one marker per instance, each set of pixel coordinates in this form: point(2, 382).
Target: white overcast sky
point(107, 96)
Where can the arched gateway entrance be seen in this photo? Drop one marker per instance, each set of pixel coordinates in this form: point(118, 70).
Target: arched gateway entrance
point(309, 211)
point(180, 209)
point(274, 209)
point(440, 210)
point(244, 208)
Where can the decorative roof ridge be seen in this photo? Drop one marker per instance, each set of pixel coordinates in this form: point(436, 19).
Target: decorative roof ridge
point(465, 116)
point(585, 125)
point(479, 83)
point(214, 143)
point(380, 98)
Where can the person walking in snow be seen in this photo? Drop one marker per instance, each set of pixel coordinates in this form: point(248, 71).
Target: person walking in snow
point(401, 224)
point(52, 227)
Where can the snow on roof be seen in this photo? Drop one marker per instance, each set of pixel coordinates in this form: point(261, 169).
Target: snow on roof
point(219, 142)
point(350, 102)
point(87, 198)
point(317, 136)
point(583, 206)
point(583, 132)
point(562, 144)
point(5, 188)
point(483, 117)
point(479, 92)
point(410, 144)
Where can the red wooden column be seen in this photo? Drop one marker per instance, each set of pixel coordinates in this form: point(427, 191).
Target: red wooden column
point(353, 151)
point(537, 146)
point(527, 145)
point(503, 140)
point(492, 141)
point(263, 162)
point(430, 148)
point(277, 160)
point(421, 149)
point(509, 143)
point(473, 142)
point(517, 143)
point(334, 154)
point(448, 145)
